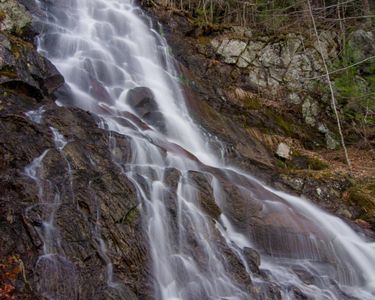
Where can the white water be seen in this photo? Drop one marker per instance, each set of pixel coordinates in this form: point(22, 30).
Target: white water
point(104, 48)
point(36, 115)
point(57, 277)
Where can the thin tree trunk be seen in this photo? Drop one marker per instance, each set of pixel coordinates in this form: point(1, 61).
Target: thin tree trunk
point(305, 11)
point(367, 12)
point(333, 98)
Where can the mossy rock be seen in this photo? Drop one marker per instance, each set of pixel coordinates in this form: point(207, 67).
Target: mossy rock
point(316, 164)
point(302, 162)
point(362, 195)
point(131, 217)
point(286, 126)
point(14, 18)
point(252, 103)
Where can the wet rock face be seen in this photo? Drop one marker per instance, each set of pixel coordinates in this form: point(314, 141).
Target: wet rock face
point(96, 199)
point(142, 100)
point(221, 99)
point(98, 218)
point(326, 192)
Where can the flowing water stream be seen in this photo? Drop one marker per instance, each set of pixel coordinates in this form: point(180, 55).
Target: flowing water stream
point(109, 52)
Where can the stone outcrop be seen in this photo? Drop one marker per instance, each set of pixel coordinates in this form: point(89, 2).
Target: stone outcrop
point(288, 67)
point(287, 63)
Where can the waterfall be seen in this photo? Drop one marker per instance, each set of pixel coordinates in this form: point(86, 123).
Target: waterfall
point(201, 216)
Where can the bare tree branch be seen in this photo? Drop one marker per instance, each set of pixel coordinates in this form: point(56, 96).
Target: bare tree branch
point(342, 69)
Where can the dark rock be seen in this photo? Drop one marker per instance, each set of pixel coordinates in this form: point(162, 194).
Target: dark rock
point(97, 202)
point(142, 101)
point(30, 5)
point(298, 294)
point(156, 119)
point(253, 259)
point(205, 195)
point(304, 274)
point(267, 290)
point(88, 182)
point(24, 70)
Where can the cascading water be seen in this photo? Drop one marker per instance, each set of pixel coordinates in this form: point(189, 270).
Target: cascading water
point(56, 272)
point(109, 55)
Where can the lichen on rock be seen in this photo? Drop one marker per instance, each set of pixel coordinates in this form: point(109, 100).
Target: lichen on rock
point(14, 17)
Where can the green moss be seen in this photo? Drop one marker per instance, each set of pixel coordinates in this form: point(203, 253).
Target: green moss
point(302, 162)
point(285, 125)
point(2, 15)
point(316, 164)
point(272, 122)
point(184, 80)
point(281, 164)
point(8, 72)
point(252, 103)
point(131, 217)
point(355, 87)
point(362, 195)
point(19, 46)
point(204, 40)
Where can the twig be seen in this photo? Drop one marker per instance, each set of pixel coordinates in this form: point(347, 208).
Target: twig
point(342, 69)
